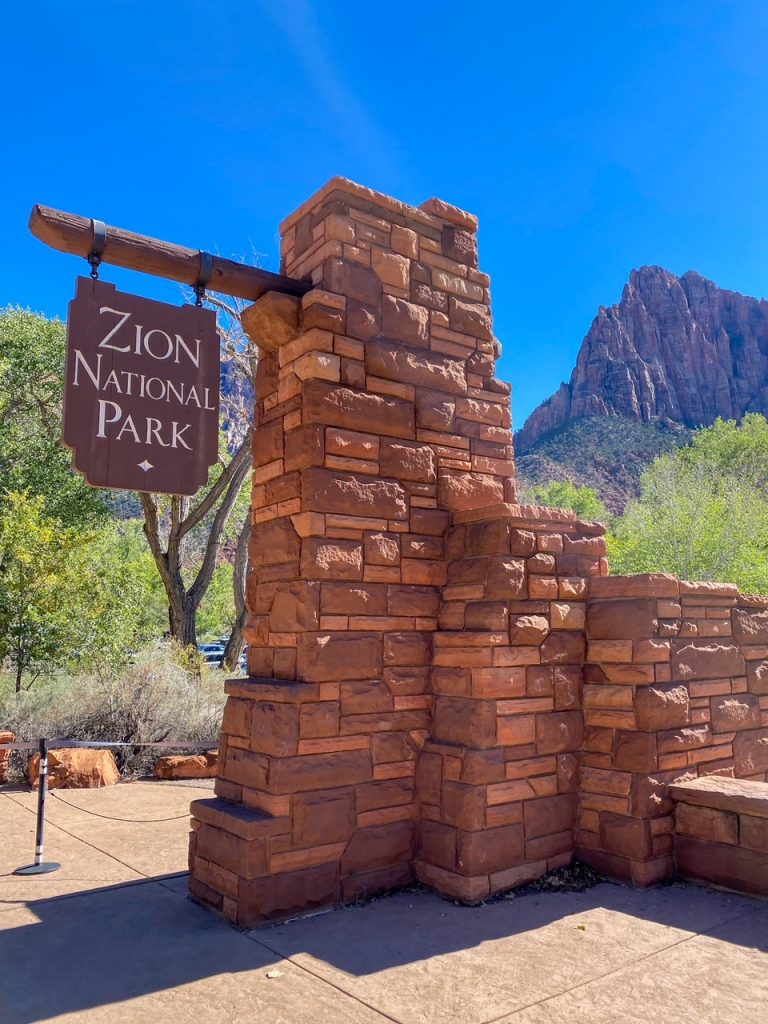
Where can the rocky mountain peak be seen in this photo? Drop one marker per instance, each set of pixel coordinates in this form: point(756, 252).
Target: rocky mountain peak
point(676, 349)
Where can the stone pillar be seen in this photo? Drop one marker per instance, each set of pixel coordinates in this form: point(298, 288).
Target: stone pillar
point(378, 416)
point(498, 777)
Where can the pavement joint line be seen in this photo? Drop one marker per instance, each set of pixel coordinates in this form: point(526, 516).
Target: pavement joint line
point(337, 988)
point(618, 970)
point(32, 902)
point(85, 841)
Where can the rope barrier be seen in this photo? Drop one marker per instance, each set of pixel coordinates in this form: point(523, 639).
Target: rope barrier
point(39, 867)
point(60, 744)
point(109, 817)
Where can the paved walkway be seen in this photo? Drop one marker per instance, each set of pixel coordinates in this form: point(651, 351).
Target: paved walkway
point(111, 937)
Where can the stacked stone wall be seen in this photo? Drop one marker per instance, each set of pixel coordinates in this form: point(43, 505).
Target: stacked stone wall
point(676, 687)
point(443, 684)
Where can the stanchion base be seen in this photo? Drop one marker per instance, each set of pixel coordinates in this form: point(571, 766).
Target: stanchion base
point(37, 869)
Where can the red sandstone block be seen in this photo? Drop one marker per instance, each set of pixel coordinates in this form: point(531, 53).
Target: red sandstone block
point(503, 814)
point(634, 674)
point(490, 850)
point(567, 615)
point(735, 712)
point(519, 875)
point(237, 717)
point(717, 752)
point(498, 682)
point(603, 802)
point(525, 705)
point(550, 846)
point(707, 823)
point(610, 719)
point(621, 619)
point(463, 805)
point(407, 649)
point(482, 766)
point(708, 687)
point(618, 651)
point(408, 681)
point(511, 656)
point(659, 585)
point(336, 656)
point(282, 895)
point(395, 770)
point(437, 845)
point(243, 857)
point(753, 832)
point(514, 730)
point(613, 783)
point(710, 659)
point(333, 744)
point(319, 771)
point(459, 887)
point(384, 721)
point(662, 706)
point(542, 586)
point(606, 695)
point(730, 866)
point(387, 815)
point(559, 732)
point(462, 657)
point(635, 752)
point(549, 815)
point(625, 837)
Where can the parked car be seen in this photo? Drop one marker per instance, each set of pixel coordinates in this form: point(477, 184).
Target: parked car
point(216, 648)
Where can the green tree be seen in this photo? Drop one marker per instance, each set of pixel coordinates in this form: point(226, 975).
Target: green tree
point(67, 597)
point(702, 512)
point(186, 536)
point(565, 494)
point(31, 392)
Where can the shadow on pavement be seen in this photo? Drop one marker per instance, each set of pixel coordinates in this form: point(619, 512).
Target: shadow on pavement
point(106, 946)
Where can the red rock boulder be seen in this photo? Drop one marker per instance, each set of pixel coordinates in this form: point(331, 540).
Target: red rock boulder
point(76, 768)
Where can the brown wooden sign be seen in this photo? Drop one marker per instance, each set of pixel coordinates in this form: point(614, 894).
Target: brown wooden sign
point(141, 400)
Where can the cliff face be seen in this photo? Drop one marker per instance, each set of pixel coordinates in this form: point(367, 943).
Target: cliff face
point(676, 349)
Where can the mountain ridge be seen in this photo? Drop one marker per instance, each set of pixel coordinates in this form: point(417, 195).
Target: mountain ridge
point(676, 350)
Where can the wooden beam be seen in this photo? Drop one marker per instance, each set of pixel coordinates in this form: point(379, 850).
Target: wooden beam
point(70, 233)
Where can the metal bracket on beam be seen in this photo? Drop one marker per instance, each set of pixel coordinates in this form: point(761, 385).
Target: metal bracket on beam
point(204, 275)
point(97, 247)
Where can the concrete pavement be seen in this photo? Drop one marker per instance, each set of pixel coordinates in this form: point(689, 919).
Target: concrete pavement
point(111, 937)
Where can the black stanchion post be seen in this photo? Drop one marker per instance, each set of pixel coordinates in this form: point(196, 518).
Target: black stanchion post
point(40, 867)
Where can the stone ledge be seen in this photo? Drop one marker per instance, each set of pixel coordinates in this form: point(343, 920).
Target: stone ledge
point(289, 691)
point(238, 819)
point(654, 584)
point(725, 794)
point(535, 516)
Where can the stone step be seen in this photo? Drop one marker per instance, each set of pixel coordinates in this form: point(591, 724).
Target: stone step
point(242, 821)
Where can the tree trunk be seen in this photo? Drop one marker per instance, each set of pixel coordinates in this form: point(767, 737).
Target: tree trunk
point(184, 624)
point(240, 568)
point(19, 673)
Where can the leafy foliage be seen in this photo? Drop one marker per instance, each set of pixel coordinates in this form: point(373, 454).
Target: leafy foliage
point(31, 392)
point(66, 596)
point(702, 512)
point(565, 494)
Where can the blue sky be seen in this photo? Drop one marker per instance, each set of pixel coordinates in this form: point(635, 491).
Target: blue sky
point(589, 138)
